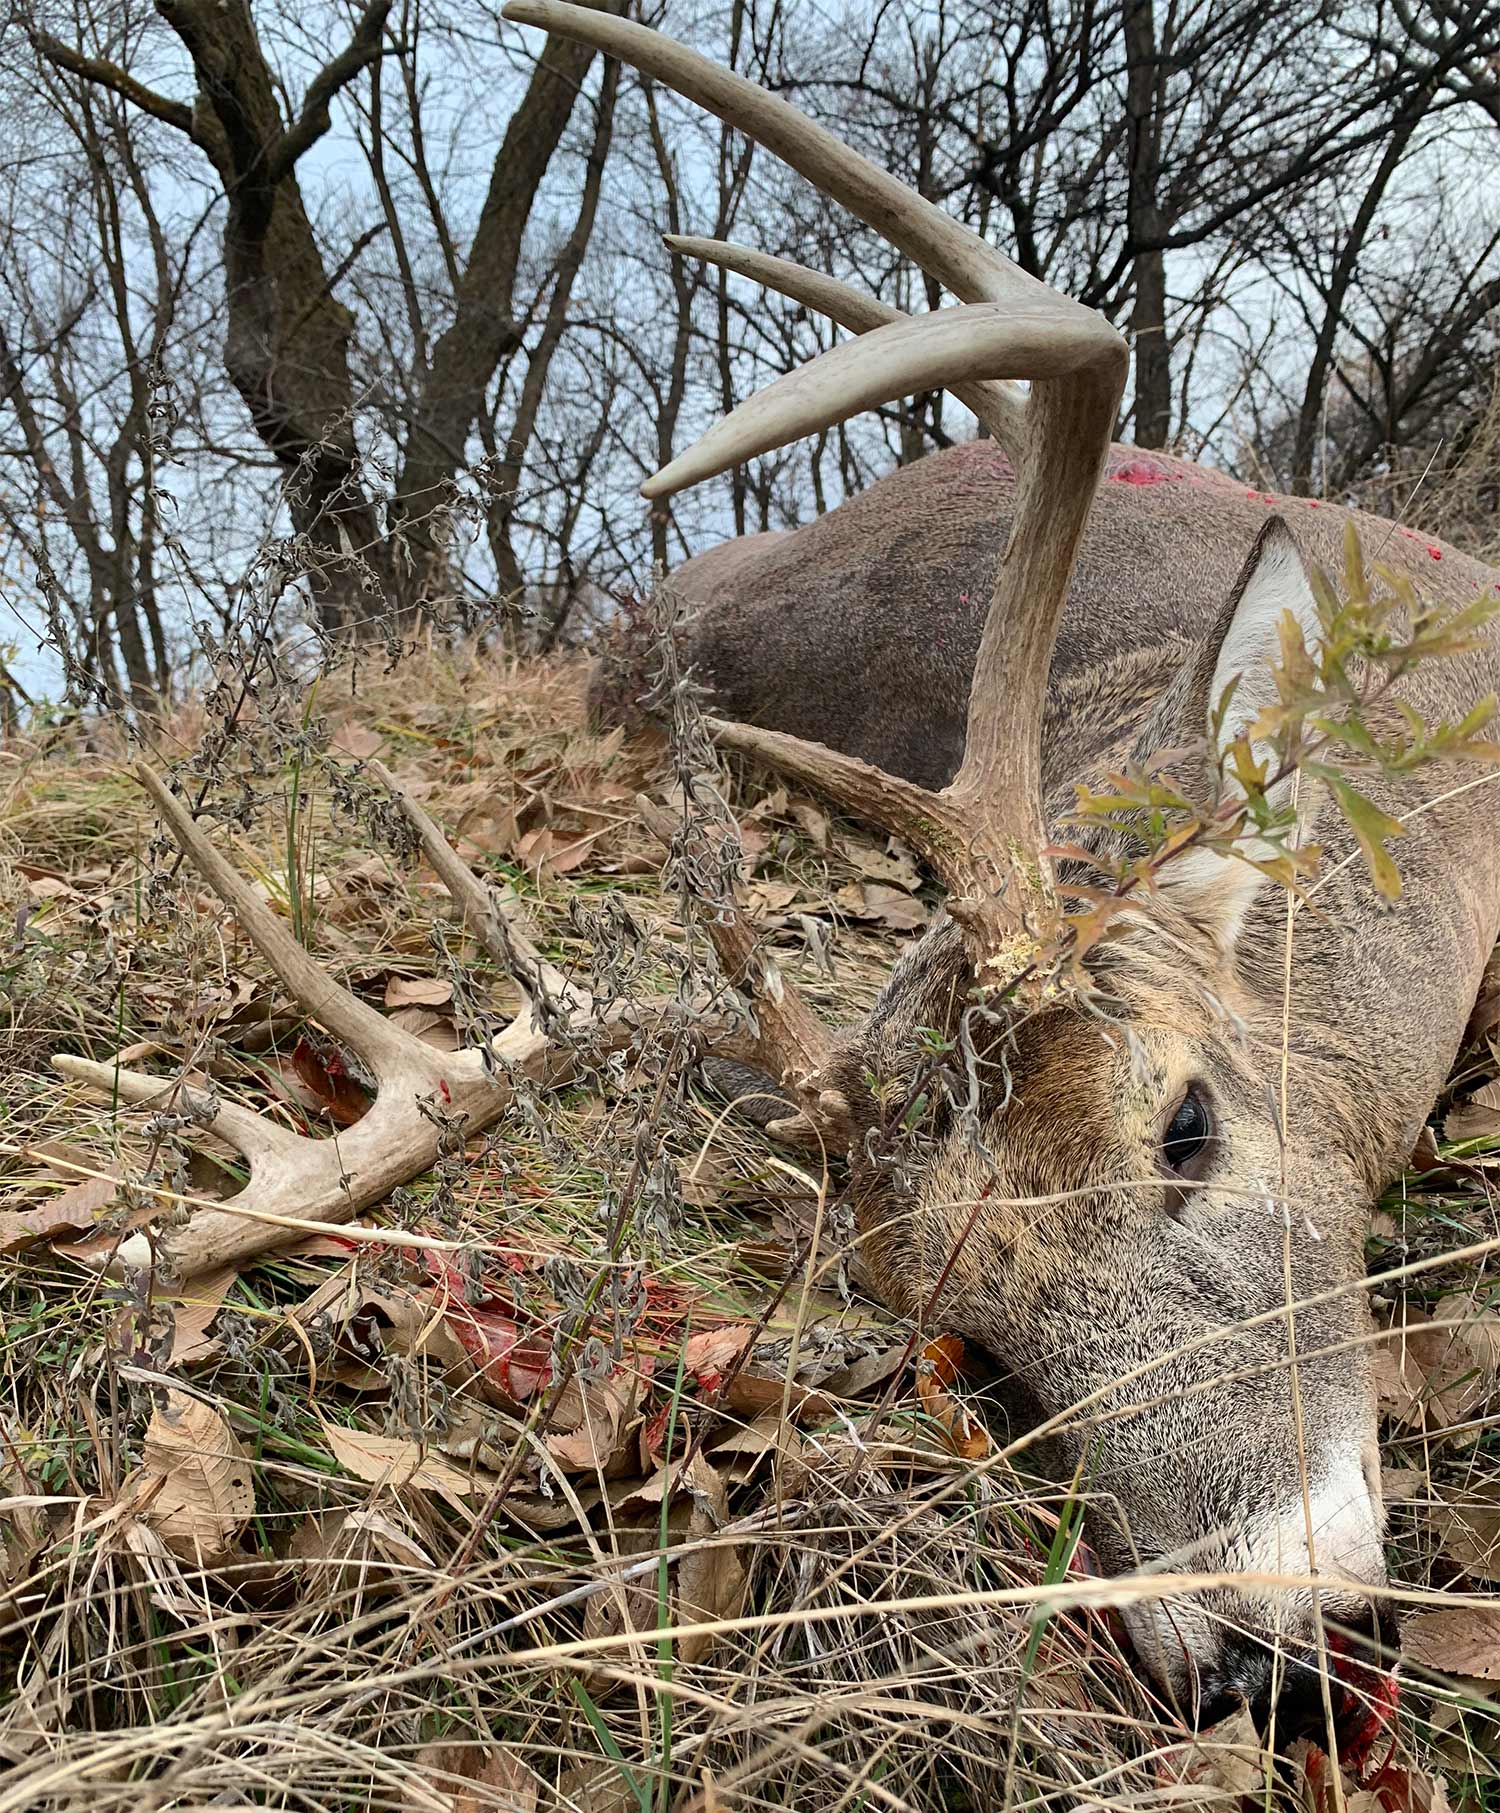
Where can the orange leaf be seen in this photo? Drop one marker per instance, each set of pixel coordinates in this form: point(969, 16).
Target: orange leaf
point(938, 1370)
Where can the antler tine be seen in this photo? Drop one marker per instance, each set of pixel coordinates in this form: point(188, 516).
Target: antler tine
point(943, 247)
point(793, 1040)
point(1013, 327)
point(1000, 406)
point(295, 1180)
point(386, 1048)
point(251, 1134)
point(499, 923)
point(424, 1095)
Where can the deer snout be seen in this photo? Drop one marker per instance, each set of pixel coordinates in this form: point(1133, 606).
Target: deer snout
point(1257, 1644)
point(1286, 1690)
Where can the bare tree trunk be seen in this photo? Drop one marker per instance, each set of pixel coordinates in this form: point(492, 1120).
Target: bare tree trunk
point(570, 260)
point(684, 289)
point(286, 345)
point(484, 330)
point(1335, 294)
point(1144, 227)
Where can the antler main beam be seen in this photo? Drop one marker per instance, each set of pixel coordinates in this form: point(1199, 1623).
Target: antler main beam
point(986, 831)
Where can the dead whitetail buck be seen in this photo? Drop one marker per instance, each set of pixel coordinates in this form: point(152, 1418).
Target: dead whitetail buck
point(1121, 1182)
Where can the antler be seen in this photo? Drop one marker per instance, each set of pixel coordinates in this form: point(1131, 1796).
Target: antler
point(1000, 406)
point(985, 832)
point(425, 1098)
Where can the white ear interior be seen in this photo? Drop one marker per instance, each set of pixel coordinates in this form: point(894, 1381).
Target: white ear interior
point(1274, 581)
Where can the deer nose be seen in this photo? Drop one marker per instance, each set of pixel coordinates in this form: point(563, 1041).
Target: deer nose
point(1286, 1691)
point(1284, 1694)
point(1299, 1709)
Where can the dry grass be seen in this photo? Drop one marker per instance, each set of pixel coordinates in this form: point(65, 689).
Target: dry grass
point(488, 1632)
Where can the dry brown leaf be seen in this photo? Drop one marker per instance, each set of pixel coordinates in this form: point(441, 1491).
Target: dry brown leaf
point(708, 1179)
point(770, 805)
point(708, 1356)
point(1404, 1485)
point(418, 991)
point(1470, 1529)
point(357, 740)
point(362, 1541)
point(1477, 1118)
point(438, 1030)
point(165, 1581)
point(768, 899)
point(855, 1379)
point(52, 887)
point(739, 1455)
point(475, 1778)
point(1479, 1331)
point(1465, 1641)
point(812, 822)
point(889, 906)
point(711, 1580)
point(598, 1443)
point(75, 1211)
point(548, 853)
point(1428, 1376)
point(895, 909)
point(938, 1367)
point(195, 1489)
point(1229, 1760)
point(193, 1308)
point(596, 1788)
point(393, 1460)
point(894, 864)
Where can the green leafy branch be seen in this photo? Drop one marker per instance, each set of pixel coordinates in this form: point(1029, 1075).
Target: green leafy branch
point(1323, 723)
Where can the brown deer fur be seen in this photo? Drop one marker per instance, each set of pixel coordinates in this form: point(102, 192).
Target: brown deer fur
point(1083, 1267)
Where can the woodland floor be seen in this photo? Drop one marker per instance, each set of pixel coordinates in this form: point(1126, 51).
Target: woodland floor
point(326, 1533)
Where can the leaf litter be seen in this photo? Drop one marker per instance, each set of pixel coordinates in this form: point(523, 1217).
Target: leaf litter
point(481, 1429)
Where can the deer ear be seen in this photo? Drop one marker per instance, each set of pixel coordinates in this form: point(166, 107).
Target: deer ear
point(1245, 642)
point(1242, 647)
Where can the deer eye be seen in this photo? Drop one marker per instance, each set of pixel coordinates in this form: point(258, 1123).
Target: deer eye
point(1188, 1133)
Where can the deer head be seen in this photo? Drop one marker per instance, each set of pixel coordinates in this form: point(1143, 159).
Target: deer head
point(1120, 1187)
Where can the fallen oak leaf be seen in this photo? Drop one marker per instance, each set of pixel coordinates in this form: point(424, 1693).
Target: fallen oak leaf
point(475, 1778)
point(710, 1355)
point(75, 1211)
point(598, 1443)
point(513, 1364)
point(1465, 1641)
point(1470, 1529)
point(195, 1488)
point(1476, 1118)
point(330, 1083)
point(395, 1461)
point(438, 1030)
point(193, 1310)
point(939, 1367)
point(418, 991)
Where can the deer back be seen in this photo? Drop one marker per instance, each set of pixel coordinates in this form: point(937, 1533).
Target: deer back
point(860, 629)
